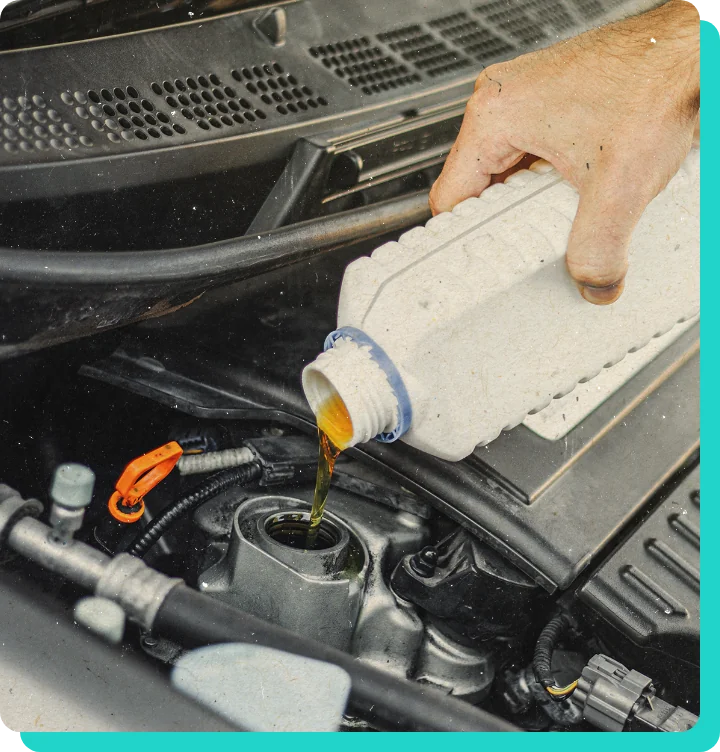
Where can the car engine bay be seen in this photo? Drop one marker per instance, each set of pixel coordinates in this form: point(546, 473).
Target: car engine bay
point(161, 295)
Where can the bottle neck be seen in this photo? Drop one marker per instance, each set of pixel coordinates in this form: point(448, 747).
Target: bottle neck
point(346, 382)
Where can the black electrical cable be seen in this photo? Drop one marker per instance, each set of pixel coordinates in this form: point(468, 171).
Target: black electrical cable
point(215, 484)
point(215, 263)
point(545, 646)
point(194, 619)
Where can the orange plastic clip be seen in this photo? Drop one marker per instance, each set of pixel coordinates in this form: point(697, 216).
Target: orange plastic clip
point(139, 478)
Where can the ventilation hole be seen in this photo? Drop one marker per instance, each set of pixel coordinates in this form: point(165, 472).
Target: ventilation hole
point(169, 88)
point(178, 128)
point(192, 83)
point(283, 82)
point(251, 87)
point(150, 120)
point(218, 93)
point(147, 105)
point(265, 98)
point(260, 114)
point(154, 132)
point(210, 110)
point(277, 68)
point(72, 142)
point(106, 95)
point(128, 135)
point(167, 130)
point(196, 98)
point(222, 107)
point(288, 95)
point(207, 96)
point(135, 107)
point(272, 83)
point(257, 71)
point(56, 130)
point(108, 110)
point(262, 86)
point(114, 138)
point(124, 122)
point(66, 97)
point(132, 92)
point(247, 73)
point(203, 82)
point(233, 105)
point(97, 125)
point(172, 102)
point(141, 134)
point(82, 112)
point(188, 114)
point(302, 106)
point(162, 117)
point(230, 92)
point(237, 117)
point(10, 148)
point(292, 107)
point(250, 117)
point(199, 112)
point(93, 96)
point(281, 109)
point(236, 75)
point(56, 143)
point(80, 98)
point(180, 85)
point(215, 122)
point(26, 146)
point(322, 101)
point(70, 128)
point(204, 124)
point(292, 79)
point(183, 99)
point(85, 141)
point(244, 103)
point(119, 93)
point(111, 124)
point(121, 108)
point(227, 120)
point(214, 79)
point(138, 121)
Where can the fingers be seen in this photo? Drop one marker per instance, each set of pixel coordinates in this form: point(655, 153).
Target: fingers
point(480, 151)
point(597, 254)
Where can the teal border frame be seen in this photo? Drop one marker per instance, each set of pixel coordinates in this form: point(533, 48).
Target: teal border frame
point(707, 731)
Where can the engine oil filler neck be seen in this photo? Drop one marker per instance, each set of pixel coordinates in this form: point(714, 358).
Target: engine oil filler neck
point(269, 571)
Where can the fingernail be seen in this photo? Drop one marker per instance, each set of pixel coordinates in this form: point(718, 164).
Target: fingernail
point(602, 295)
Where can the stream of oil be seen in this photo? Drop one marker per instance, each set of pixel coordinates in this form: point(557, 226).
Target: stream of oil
point(335, 431)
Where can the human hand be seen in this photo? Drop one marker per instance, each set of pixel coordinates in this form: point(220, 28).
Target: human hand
point(615, 110)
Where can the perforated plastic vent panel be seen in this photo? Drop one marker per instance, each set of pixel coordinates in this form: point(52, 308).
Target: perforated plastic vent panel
point(426, 52)
point(471, 36)
point(205, 82)
point(360, 63)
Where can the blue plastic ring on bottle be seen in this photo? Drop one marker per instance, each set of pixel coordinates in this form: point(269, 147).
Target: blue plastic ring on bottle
point(394, 379)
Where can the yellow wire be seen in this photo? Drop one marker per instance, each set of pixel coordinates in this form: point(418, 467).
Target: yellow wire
point(562, 691)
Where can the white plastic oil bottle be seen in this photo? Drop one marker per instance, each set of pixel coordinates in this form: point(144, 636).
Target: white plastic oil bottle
point(464, 326)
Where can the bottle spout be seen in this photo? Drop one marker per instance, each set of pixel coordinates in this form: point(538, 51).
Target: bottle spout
point(350, 394)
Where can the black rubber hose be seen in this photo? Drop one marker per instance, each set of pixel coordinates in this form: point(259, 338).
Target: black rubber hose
point(215, 263)
point(387, 702)
point(215, 484)
point(545, 646)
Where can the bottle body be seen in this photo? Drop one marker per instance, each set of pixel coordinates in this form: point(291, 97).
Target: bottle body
point(482, 322)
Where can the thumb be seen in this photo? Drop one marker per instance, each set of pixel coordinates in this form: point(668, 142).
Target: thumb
point(597, 253)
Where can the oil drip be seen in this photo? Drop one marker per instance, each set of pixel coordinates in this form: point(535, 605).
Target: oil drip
point(335, 432)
